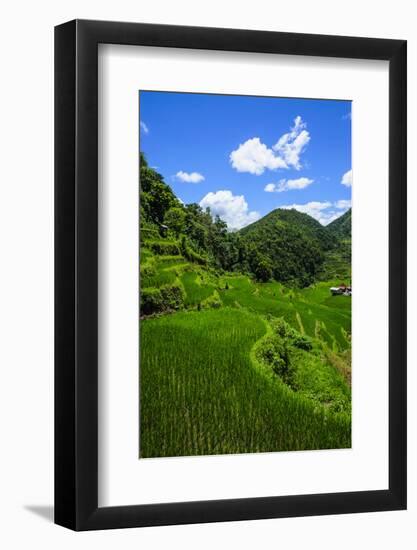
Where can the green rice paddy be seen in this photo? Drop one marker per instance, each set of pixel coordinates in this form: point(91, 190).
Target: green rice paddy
point(203, 387)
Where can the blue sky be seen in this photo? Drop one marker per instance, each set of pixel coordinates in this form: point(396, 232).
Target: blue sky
point(244, 156)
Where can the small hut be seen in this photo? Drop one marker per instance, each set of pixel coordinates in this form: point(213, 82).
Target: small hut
point(342, 289)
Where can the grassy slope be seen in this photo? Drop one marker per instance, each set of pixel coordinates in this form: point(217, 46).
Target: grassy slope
point(203, 392)
point(316, 313)
point(196, 288)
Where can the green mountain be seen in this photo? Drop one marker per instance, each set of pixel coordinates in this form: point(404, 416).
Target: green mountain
point(342, 227)
point(310, 227)
point(294, 244)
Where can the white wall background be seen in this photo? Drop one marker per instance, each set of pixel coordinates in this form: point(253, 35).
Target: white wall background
point(26, 272)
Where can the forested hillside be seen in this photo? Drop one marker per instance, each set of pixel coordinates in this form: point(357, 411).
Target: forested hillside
point(285, 245)
point(342, 227)
point(292, 244)
point(337, 263)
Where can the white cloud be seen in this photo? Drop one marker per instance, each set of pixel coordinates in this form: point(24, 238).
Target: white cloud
point(255, 157)
point(233, 209)
point(324, 212)
point(192, 177)
point(286, 185)
point(144, 128)
point(347, 179)
point(343, 204)
point(291, 145)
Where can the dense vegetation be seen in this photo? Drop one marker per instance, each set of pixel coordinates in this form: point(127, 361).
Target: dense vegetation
point(293, 243)
point(337, 262)
point(286, 245)
point(342, 227)
point(242, 349)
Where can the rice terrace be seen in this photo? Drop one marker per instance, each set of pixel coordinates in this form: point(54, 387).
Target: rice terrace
point(245, 316)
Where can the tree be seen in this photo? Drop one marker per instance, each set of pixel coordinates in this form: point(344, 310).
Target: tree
point(175, 220)
point(156, 197)
point(263, 269)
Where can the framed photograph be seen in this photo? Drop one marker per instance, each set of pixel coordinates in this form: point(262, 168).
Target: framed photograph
point(230, 252)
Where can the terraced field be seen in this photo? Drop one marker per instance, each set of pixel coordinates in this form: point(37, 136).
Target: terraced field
point(312, 311)
point(202, 394)
point(235, 366)
point(196, 289)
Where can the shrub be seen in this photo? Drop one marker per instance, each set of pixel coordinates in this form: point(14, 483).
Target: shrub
point(147, 268)
point(274, 351)
point(166, 298)
point(263, 271)
point(302, 342)
point(190, 254)
point(150, 301)
point(148, 233)
point(175, 219)
point(173, 296)
point(280, 327)
point(212, 301)
point(194, 257)
point(283, 330)
point(164, 248)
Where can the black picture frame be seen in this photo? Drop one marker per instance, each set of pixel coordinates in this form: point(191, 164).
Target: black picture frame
point(76, 272)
